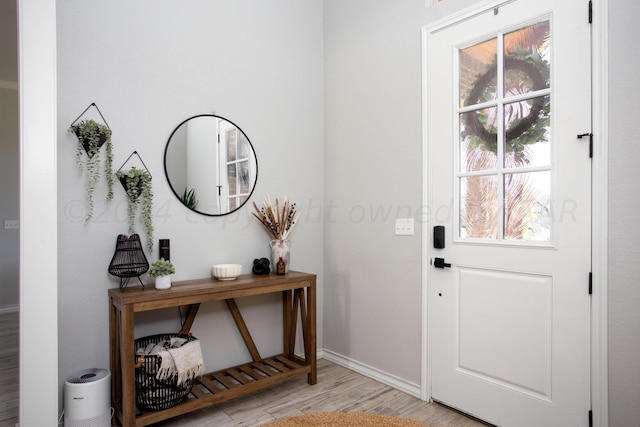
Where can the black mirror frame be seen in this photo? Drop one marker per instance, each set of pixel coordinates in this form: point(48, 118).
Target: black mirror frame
point(166, 173)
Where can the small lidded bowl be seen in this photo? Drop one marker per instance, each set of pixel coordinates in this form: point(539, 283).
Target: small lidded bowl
point(226, 271)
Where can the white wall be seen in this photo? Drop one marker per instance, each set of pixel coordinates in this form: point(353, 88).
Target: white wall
point(38, 234)
point(372, 176)
point(149, 65)
point(202, 162)
point(624, 207)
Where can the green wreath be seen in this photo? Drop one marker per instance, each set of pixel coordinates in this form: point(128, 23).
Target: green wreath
point(472, 118)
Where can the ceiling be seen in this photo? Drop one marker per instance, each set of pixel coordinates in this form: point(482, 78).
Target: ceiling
point(8, 41)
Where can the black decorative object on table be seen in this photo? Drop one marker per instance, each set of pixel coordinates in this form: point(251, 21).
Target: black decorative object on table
point(261, 266)
point(165, 249)
point(128, 260)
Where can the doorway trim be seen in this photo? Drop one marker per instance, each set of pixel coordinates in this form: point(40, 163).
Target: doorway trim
point(599, 195)
point(39, 387)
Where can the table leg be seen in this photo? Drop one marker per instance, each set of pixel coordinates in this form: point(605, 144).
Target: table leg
point(310, 338)
point(287, 301)
point(188, 322)
point(114, 359)
point(127, 356)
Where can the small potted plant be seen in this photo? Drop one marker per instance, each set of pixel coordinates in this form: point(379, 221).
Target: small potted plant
point(91, 137)
point(162, 270)
point(137, 183)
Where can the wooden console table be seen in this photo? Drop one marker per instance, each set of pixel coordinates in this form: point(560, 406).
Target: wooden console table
point(298, 296)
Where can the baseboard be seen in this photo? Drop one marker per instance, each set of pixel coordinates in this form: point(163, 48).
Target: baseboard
point(371, 372)
point(9, 309)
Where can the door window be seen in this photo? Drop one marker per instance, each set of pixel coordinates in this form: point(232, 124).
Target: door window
point(238, 173)
point(504, 141)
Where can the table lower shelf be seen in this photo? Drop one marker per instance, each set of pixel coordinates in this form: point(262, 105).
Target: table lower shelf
point(232, 382)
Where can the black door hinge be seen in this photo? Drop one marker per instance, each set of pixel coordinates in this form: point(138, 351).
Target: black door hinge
point(590, 283)
point(590, 418)
point(590, 135)
point(590, 12)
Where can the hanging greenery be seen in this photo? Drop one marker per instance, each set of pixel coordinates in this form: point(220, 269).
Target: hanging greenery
point(137, 183)
point(91, 137)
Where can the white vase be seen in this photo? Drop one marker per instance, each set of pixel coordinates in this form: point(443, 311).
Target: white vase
point(280, 250)
point(163, 282)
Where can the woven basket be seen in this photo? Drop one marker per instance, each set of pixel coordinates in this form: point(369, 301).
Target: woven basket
point(151, 393)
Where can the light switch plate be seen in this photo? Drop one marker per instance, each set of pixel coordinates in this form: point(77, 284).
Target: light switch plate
point(404, 227)
point(11, 224)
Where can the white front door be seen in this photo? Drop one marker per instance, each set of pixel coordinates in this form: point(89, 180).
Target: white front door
point(507, 92)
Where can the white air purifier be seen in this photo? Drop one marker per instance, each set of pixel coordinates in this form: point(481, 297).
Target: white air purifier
point(87, 399)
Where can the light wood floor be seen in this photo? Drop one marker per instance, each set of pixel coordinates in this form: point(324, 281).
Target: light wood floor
point(9, 376)
point(338, 389)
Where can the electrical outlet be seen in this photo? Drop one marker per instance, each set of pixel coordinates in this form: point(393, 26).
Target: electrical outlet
point(11, 224)
point(404, 227)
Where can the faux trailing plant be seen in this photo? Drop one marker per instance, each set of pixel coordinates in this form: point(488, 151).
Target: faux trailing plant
point(137, 183)
point(91, 137)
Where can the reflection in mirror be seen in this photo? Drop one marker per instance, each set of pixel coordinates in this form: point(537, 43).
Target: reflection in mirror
point(210, 165)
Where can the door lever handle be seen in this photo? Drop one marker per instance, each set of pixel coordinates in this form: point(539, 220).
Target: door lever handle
point(439, 263)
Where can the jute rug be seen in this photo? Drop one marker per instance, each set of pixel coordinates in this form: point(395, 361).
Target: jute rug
point(347, 419)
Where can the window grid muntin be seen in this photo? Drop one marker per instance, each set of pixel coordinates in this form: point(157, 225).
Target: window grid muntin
point(500, 171)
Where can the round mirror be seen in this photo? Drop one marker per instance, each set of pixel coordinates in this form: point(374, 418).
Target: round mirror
point(210, 165)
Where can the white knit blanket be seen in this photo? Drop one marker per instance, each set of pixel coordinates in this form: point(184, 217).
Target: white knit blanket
point(184, 362)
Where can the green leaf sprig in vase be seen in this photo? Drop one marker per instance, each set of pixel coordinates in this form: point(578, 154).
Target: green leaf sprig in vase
point(137, 183)
point(91, 137)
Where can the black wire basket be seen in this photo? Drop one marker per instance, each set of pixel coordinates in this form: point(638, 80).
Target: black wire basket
point(151, 393)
